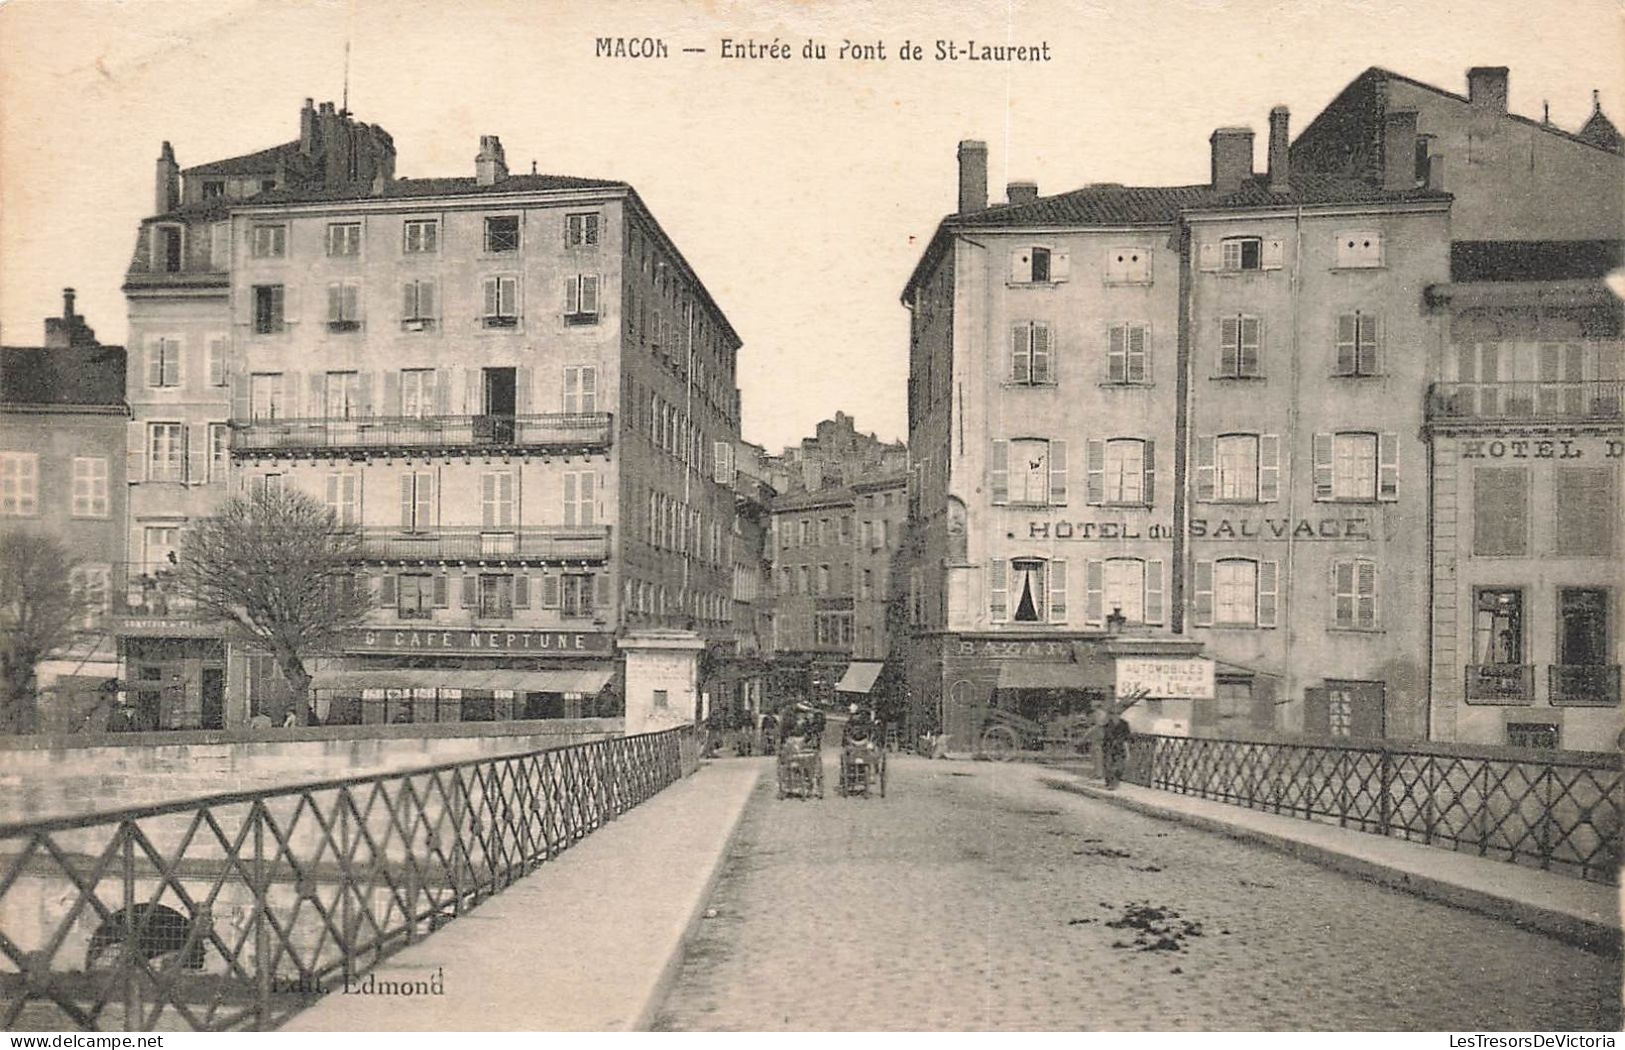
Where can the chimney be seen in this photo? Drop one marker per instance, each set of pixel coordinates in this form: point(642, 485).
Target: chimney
point(1399, 150)
point(307, 127)
point(490, 167)
point(67, 305)
point(972, 176)
point(168, 189)
point(1280, 149)
point(1021, 192)
point(1232, 158)
point(1487, 88)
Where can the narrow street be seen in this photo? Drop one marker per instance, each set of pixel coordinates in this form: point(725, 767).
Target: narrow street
point(974, 897)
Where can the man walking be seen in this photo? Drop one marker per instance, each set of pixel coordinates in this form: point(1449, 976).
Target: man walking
point(1114, 746)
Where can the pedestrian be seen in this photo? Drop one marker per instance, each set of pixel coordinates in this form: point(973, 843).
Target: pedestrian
point(1114, 747)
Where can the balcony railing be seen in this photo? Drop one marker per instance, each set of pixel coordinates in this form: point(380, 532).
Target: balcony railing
point(552, 430)
point(147, 592)
point(551, 543)
point(1501, 683)
point(1532, 401)
point(1593, 685)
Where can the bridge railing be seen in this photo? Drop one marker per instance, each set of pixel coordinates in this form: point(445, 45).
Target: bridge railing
point(1556, 810)
point(237, 910)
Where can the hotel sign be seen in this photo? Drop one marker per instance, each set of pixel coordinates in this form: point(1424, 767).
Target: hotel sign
point(482, 642)
point(1014, 649)
point(1342, 527)
point(1165, 678)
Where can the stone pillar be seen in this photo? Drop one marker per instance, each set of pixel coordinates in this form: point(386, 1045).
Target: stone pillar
point(662, 678)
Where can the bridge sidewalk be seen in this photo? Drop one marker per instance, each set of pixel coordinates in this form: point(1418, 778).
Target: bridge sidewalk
point(1585, 913)
point(588, 942)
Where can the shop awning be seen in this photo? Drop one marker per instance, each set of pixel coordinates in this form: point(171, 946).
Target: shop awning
point(859, 677)
point(561, 680)
point(1029, 674)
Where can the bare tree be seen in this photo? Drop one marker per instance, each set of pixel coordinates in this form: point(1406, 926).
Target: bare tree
point(277, 566)
point(39, 614)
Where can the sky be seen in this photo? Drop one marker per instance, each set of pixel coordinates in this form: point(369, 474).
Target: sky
point(801, 191)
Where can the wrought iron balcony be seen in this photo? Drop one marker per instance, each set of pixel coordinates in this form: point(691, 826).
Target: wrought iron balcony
point(145, 592)
point(544, 543)
point(558, 431)
point(1583, 685)
point(1528, 401)
point(1501, 683)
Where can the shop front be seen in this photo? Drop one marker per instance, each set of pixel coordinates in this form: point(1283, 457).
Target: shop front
point(174, 677)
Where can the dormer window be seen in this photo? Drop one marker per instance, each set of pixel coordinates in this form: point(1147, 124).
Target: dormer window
point(1128, 266)
point(1356, 248)
point(167, 256)
point(1038, 265)
point(1243, 253)
point(214, 188)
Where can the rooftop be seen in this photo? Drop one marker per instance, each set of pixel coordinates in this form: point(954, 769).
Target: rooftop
point(72, 375)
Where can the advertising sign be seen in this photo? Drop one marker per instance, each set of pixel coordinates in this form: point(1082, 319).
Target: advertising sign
point(1165, 677)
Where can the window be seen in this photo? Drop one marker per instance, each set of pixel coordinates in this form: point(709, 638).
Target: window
point(1497, 626)
point(1583, 642)
point(267, 185)
point(1029, 471)
point(581, 299)
point(805, 578)
point(1358, 336)
point(344, 497)
point(1126, 354)
point(823, 579)
point(496, 499)
point(577, 596)
point(417, 501)
point(502, 233)
point(418, 301)
point(580, 497)
point(1239, 340)
point(1028, 590)
point(1587, 512)
point(219, 451)
point(1128, 266)
point(580, 389)
point(496, 596)
point(343, 238)
point(269, 308)
point(266, 484)
point(19, 484)
point(342, 395)
point(581, 230)
point(265, 395)
point(501, 302)
point(93, 585)
point(1500, 511)
point(90, 487)
point(420, 236)
point(1122, 471)
point(1356, 466)
point(269, 241)
point(415, 596)
point(1532, 734)
point(1030, 354)
point(1242, 253)
point(219, 370)
point(166, 452)
point(866, 586)
point(1354, 593)
point(1235, 592)
point(1359, 249)
point(161, 544)
point(343, 306)
point(1038, 265)
point(1238, 468)
point(1129, 587)
point(169, 254)
point(164, 363)
point(806, 532)
point(417, 392)
point(213, 188)
point(660, 698)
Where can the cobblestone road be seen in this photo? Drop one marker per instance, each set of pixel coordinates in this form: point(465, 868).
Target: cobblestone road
point(976, 898)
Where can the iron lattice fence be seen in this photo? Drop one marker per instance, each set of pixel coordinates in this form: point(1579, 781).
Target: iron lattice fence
point(1559, 811)
point(235, 911)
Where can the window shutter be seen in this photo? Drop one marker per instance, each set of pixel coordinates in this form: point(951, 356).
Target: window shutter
point(491, 296)
point(1323, 466)
point(1273, 254)
point(1348, 344)
point(1117, 354)
point(1343, 597)
point(572, 296)
point(197, 454)
point(999, 473)
point(1135, 368)
point(1388, 467)
point(1252, 339)
point(289, 300)
point(1202, 595)
point(392, 394)
point(588, 497)
point(241, 406)
point(409, 301)
point(601, 592)
point(523, 382)
point(1229, 345)
point(1268, 574)
point(1366, 593)
point(508, 296)
point(1057, 591)
point(1370, 362)
point(1020, 358)
point(442, 392)
point(155, 363)
point(1057, 473)
point(521, 591)
point(352, 302)
point(589, 293)
point(570, 498)
point(428, 299)
point(1206, 456)
point(1094, 591)
point(135, 458)
point(550, 592)
point(1060, 266)
point(1021, 266)
point(572, 390)
point(335, 302)
point(1153, 591)
point(998, 588)
point(408, 502)
point(386, 590)
point(1041, 363)
point(1149, 452)
point(1269, 468)
point(1094, 468)
point(1207, 256)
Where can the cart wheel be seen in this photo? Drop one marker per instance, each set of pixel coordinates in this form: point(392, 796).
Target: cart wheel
point(1000, 743)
